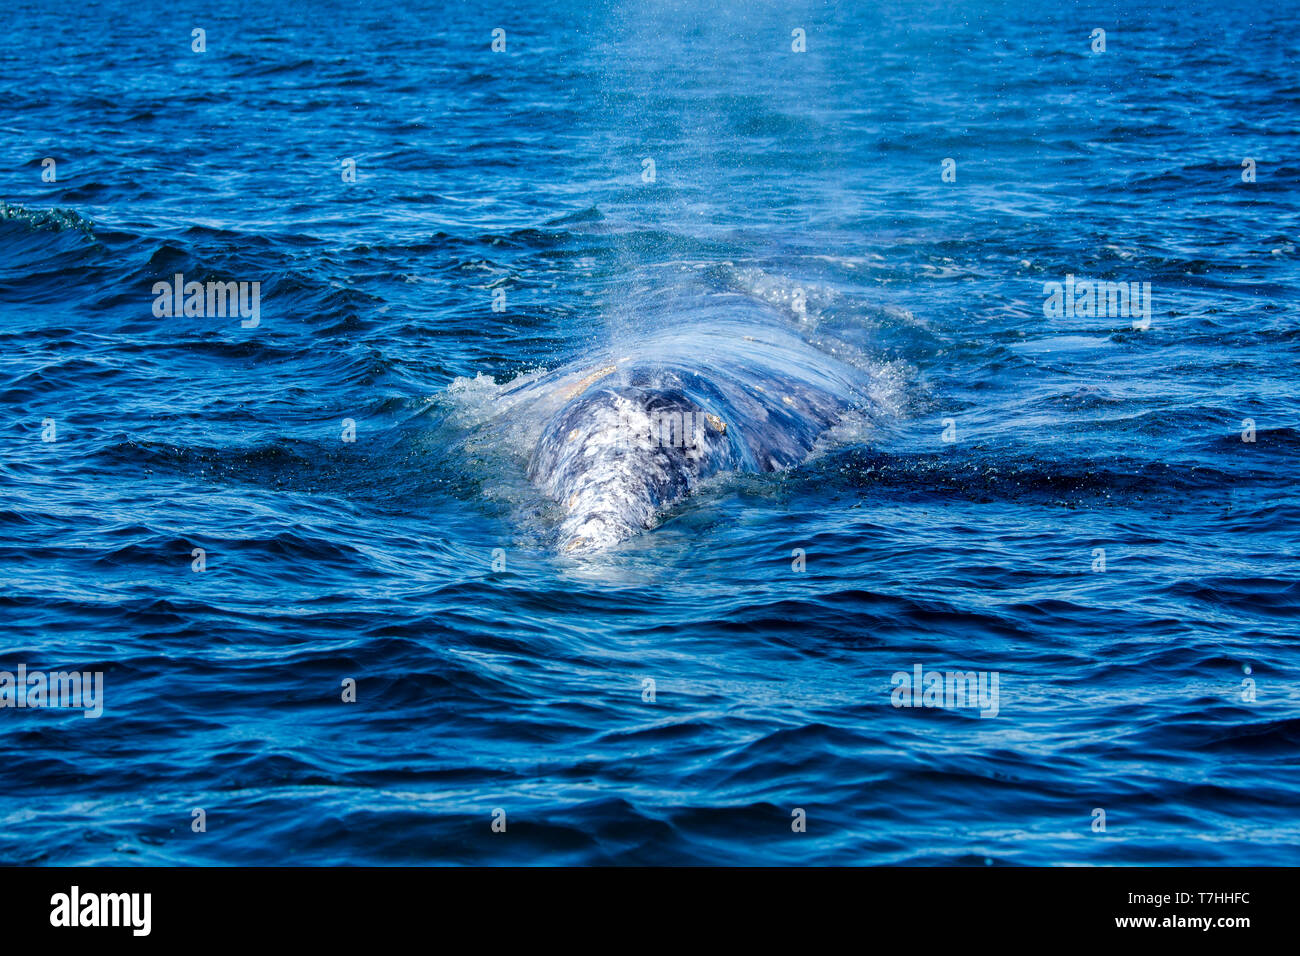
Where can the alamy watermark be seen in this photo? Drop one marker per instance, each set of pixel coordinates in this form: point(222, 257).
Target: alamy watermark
point(1097, 298)
point(949, 690)
point(668, 428)
point(75, 909)
point(216, 300)
point(82, 690)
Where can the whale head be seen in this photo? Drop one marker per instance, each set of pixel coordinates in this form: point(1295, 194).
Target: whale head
point(615, 457)
point(615, 440)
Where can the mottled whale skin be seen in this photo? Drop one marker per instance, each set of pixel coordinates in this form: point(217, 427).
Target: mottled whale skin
point(624, 436)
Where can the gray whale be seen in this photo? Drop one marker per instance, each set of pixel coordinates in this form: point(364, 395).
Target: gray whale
point(623, 435)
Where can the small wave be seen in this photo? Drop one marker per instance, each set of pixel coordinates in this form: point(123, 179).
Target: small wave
point(55, 219)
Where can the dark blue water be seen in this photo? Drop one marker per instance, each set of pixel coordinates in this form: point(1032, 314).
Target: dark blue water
point(520, 687)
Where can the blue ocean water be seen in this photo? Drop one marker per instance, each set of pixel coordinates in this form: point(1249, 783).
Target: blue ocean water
point(1101, 514)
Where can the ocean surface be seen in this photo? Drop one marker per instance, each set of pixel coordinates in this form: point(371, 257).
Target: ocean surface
point(230, 517)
